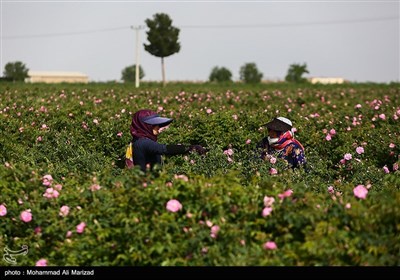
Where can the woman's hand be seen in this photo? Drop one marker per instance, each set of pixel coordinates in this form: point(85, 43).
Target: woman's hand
point(198, 148)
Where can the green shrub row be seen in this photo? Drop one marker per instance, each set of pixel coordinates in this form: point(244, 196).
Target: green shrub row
point(78, 134)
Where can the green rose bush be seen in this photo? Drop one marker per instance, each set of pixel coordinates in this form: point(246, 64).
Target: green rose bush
point(67, 200)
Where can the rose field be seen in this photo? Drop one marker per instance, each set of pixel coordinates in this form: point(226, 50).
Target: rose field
point(67, 200)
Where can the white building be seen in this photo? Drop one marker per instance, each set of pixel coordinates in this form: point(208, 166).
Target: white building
point(326, 80)
point(56, 77)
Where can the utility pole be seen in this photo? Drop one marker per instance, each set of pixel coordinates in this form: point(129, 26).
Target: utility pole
point(137, 28)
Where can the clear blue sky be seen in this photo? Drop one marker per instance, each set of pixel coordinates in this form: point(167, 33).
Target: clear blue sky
point(356, 40)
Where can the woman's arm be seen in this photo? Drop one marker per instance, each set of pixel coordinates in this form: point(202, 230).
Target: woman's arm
point(172, 149)
point(182, 149)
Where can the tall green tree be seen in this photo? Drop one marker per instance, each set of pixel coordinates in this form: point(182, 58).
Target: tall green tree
point(129, 73)
point(249, 73)
point(295, 73)
point(220, 75)
point(15, 71)
point(163, 38)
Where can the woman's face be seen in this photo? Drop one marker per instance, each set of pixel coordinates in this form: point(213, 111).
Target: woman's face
point(156, 130)
point(273, 133)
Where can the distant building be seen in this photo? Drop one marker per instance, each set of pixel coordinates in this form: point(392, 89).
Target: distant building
point(56, 77)
point(326, 80)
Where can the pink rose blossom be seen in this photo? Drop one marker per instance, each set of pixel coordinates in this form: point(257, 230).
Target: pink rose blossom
point(347, 156)
point(26, 216)
point(272, 160)
point(214, 231)
point(268, 201)
point(328, 137)
point(360, 191)
point(81, 227)
point(41, 262)
point(228, 152)
point(51, 193)
point(273, 171)
point(382, 116)
point(360, 150)
point(391, 145)
point(386, 170)
point(119, 134)
point(95, 187)
point(174, 205)
point(37, 230)
point(182, 177)
point(348, 206)
point(287, 193)
point(47, 180)
point(64, 210)
point(395, 166)
point(58, 187)
point(331, 190)
point(266, 211)
point(332, 131)
point(248, 141)
point(270, 245)
point(55, 193)
point(69, 234)
point(3, 210)
point(204, 250)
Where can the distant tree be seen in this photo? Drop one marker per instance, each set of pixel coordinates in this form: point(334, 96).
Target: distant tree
point(250, 74)
point(15, 71)
point(129, 73)
point(163, 38)
point(295, 73)
point(220, 75)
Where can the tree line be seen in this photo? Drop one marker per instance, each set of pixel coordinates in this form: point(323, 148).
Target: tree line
point(163, 41)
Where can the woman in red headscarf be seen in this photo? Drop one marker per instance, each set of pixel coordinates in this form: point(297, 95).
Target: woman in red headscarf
point(282, 144)
point(146, 151)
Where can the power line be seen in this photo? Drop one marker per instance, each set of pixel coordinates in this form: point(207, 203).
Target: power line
point(270, 25)
point(292, 23)
point(64, 34)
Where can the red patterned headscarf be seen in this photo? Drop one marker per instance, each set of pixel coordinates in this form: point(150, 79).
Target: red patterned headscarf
point(285, 139)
